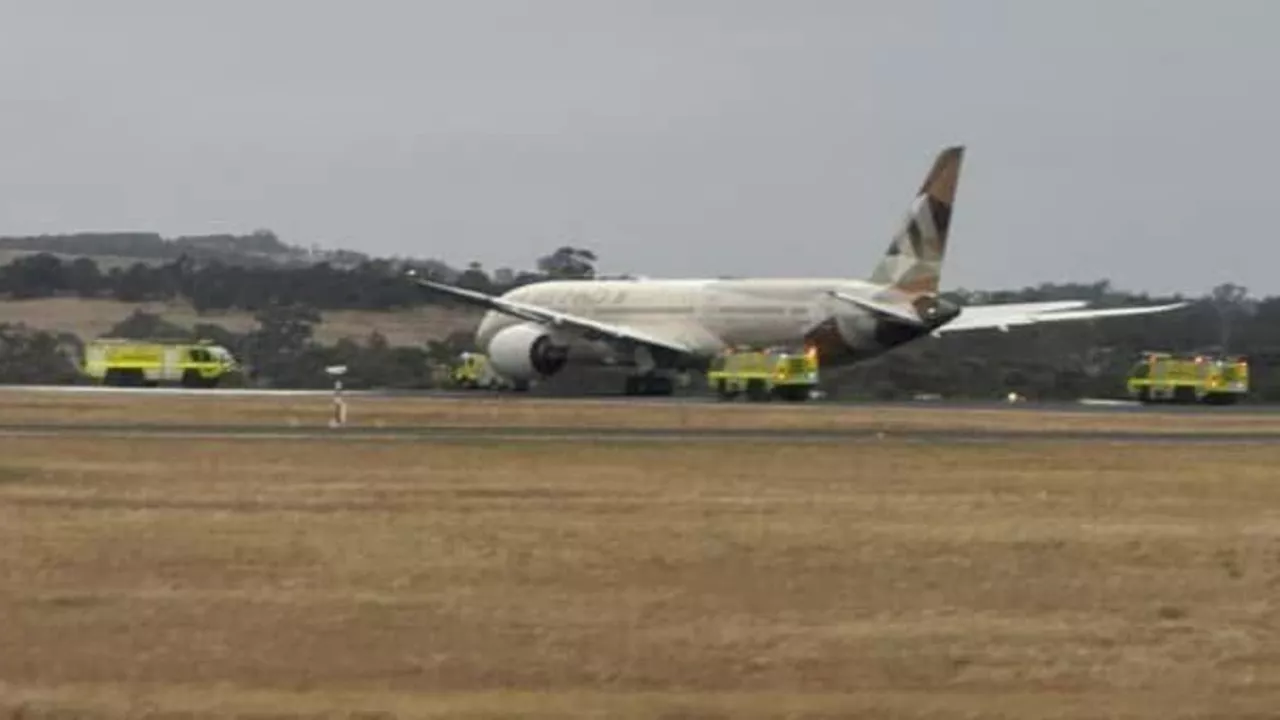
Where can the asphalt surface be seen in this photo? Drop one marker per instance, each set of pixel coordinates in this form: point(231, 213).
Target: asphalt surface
point(1084, 405)
point(789, 436)
point(417, 433)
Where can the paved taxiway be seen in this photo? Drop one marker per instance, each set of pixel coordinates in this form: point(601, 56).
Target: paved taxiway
point(1083, 405)
point(790, 436)
point(455, 433)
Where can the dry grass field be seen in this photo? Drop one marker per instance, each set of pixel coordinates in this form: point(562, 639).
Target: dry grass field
point(89, 319)
point(269, 578)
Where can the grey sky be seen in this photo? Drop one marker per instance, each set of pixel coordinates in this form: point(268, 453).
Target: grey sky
point(1117, 138)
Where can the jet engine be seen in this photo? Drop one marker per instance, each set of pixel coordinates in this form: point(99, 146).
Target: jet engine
point(935, 311)
point(526, 351)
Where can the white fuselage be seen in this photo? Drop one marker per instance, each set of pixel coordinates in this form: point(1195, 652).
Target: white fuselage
point(707, 315)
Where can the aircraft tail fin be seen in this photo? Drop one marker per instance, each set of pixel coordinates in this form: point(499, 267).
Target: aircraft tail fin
point(913, 263)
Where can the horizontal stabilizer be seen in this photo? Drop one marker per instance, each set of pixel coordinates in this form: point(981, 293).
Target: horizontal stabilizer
point(901, 313)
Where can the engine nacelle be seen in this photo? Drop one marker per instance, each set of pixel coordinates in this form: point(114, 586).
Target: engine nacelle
point(522, 352)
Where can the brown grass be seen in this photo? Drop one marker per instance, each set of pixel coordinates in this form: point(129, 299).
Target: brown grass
point(556, 580)
point(482, 410)
point(94, 318)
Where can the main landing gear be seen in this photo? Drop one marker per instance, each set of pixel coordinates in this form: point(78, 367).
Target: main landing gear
point(649, 385)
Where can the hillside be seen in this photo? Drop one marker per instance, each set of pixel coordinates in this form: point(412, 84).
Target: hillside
point(91, 318)
point(260, 248)
point(104, 262)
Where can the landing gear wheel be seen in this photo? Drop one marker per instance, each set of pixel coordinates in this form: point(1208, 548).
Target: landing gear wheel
point(649, 385)
point(661, 386)
point(756, 391)
point(124, 378)
point(193, 379)
point(792, 393)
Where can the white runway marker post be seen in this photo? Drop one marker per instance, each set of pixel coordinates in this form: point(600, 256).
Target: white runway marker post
point(339, 417)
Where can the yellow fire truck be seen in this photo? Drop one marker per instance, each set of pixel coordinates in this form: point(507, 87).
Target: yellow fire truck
point(764, 374)
point(473, 371)
point(1189, 378)
point(139, 363)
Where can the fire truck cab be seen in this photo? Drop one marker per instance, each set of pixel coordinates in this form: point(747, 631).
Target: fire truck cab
point(1187, 378)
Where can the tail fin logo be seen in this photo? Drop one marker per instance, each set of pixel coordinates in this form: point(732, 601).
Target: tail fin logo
point(913, 263)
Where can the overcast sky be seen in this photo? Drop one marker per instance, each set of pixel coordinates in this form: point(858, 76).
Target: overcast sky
point(1117, 138)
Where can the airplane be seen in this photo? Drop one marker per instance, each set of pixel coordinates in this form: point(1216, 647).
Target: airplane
point(660, 327)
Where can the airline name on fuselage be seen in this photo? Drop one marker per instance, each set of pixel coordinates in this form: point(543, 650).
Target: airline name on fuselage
point(606, 300)
point(577, 297)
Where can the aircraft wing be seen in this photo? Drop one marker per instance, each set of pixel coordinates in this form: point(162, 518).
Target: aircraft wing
point(584, 327)
point(908, 314)
point(1003, 317)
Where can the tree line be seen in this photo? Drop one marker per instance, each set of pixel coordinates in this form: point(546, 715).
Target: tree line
point(218, 285)
point(260, 247)
point(1059, 361)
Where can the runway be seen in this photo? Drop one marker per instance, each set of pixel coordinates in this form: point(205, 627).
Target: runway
point(434, 416)
point(1090, 405)
point(491, 434)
